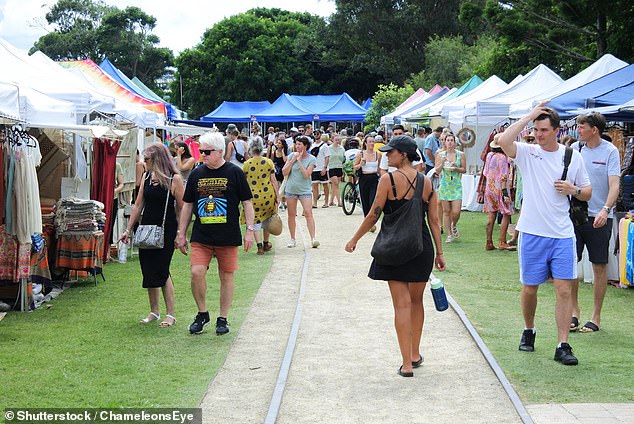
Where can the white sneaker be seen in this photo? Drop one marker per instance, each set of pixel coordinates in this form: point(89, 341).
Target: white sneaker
point(449, 239)
point(315, 244)
point(291, 243)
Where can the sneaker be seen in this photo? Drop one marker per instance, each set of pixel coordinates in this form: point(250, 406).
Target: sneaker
point(283, 207)
point(199, 324)
point(315, 244)
point(222, 327)
point(455, 233)
point(564, 355)
point(527, 344)
point(291, 243)
point(449, 239)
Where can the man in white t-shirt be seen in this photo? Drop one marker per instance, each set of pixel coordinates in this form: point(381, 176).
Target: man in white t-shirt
point(419, 164)
point(547, 237)
point(320, 150)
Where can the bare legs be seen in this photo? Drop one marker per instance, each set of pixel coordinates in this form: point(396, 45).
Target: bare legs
point(409, 316)
point(308, 214)
point(168, 295)
point(599, 286)
point(335, 191)
point(451, 214)
point(563, 306)
point(199, 289)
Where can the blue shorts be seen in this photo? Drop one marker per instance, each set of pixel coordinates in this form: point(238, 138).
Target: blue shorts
point(541, 258)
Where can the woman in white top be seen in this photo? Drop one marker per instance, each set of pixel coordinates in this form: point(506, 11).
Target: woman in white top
point(368, 163)
point(335, 168)
point(240, 146)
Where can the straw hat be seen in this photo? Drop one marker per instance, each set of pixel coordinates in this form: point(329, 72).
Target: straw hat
point(494, 144)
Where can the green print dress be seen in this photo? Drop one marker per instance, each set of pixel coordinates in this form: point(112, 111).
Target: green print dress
point(450, 181)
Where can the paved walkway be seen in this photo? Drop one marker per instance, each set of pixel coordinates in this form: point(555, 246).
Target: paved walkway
point(344, 365)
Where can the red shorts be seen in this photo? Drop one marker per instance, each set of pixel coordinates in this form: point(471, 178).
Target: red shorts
point(227, 256)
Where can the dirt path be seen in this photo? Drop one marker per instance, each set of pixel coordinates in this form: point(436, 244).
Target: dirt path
point(345, 361)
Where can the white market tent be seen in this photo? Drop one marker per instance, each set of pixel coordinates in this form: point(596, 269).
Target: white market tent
point(9, 102)
point(496, 108)
point(603, 66)
point(414, 113)
point(18, 69)
point(404, 107)
point(453, 110)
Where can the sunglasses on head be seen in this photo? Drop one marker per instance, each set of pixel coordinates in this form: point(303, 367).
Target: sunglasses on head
point(207, 151)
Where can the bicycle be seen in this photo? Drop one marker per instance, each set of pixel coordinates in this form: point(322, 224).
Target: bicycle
point(350, 196)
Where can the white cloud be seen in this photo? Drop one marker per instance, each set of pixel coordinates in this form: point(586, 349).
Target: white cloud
point(180, 24)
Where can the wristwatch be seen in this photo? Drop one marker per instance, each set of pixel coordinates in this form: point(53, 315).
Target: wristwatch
point(607, 209)
point(578, 192)
point(250, 228)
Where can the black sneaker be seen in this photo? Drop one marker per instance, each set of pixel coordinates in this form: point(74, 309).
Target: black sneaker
point(527, 344)
point(199, 324)
point(564, 355)
point(222, 327)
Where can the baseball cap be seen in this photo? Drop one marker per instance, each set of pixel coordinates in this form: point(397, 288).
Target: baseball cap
point(402, 143)
point(231, 127)
point(294, 129)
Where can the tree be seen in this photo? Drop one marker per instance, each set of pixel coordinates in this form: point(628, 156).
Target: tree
point(566, 36)
point(256, 55)
point(383, 40)
point(88, 29)
point(384, 101)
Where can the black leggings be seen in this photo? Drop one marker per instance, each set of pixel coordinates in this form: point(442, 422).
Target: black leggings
point(367, 191)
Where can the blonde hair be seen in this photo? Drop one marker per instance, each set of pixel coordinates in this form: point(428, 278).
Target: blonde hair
point(163, 166)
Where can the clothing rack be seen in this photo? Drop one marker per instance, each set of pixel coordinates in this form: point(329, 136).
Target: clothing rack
point(17, 136)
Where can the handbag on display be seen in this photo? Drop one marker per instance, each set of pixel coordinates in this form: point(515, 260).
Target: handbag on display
point(578, 208)
point(401, 236)
point(152, 236)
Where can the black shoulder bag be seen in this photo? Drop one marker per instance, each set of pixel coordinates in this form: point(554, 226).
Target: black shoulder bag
point(401, 237)
point(578, 208)
point(239, 157)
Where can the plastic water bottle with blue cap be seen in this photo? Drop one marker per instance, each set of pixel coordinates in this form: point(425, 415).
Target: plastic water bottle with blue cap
point(439, 295)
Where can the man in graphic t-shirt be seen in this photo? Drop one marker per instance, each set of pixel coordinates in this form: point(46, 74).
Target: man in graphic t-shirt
point(547, 237)
point(214, 192)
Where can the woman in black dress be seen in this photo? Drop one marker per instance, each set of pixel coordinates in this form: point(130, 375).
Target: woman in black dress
point(407, 281)
point(160, 177)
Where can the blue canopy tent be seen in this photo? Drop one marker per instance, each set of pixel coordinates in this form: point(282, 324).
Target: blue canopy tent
point(327, 107)
point(367, 104)
point(235, 111)
point(604, 91)
point(114, 73)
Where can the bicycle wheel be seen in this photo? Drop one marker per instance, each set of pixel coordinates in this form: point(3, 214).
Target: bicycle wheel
point(349, 197)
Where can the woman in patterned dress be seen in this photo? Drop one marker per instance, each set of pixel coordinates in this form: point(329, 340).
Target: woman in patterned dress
point(260, 173)
point(497, 197)
point(453, 164)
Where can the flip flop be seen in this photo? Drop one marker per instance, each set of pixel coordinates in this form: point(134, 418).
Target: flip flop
point(589, 327)
point(405, 373)
point(574, 324)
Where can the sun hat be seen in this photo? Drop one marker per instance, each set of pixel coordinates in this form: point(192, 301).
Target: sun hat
point(494, 144)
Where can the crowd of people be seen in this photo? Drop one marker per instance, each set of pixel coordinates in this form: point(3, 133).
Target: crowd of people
point(245, 179)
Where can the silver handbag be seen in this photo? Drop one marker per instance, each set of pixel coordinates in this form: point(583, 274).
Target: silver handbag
point(152, 236)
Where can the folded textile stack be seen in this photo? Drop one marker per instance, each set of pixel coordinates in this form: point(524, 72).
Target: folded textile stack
point(79, 216)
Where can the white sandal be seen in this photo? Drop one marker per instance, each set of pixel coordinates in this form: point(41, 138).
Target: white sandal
point(166, 323)
point(147, 319)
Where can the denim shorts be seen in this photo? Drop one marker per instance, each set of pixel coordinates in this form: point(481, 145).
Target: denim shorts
point(298, 196)
point(541, 258)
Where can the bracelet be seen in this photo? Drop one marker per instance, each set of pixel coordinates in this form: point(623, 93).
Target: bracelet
point(439, 254)
point(126, 231)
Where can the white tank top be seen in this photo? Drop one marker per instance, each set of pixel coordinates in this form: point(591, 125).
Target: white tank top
point(371, 167)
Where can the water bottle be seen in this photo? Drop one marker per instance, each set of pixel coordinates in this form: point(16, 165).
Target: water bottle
point(438, 293)
point(123, 252)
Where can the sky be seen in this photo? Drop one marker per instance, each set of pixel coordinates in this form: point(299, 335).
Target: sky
point(22, 22)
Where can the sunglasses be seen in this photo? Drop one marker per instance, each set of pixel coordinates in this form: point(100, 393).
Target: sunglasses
point(207, 151)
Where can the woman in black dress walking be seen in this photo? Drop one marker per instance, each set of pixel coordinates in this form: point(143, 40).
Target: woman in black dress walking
point(160, 178)
point(407, 281)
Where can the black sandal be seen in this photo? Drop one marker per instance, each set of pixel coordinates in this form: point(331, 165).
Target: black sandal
point(405, 373)
point(574, 324)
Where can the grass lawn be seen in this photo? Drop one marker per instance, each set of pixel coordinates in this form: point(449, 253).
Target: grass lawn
point(486, 285)
point(88, 349)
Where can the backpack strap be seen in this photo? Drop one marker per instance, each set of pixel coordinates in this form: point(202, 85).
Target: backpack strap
point(567, 159)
